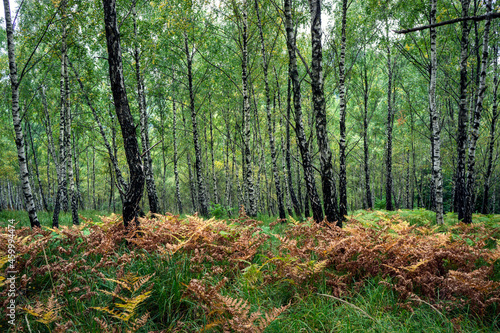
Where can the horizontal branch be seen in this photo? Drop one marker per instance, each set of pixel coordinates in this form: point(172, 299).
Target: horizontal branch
point(461, 19)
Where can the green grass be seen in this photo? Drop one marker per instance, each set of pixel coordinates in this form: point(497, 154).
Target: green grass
point(45, 218)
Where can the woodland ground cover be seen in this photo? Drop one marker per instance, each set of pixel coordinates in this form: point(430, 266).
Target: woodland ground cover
point(383, 272)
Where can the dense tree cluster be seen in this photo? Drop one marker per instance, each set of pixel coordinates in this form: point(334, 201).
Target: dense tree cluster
point(309, 108)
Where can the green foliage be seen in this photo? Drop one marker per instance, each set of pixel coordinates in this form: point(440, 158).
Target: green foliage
point(219, 211)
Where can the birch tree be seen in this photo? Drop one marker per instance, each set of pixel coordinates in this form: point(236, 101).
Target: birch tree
point(146, 149)
point(134, 191)
point(312, 192)
point(16, 119)
point(435, 122)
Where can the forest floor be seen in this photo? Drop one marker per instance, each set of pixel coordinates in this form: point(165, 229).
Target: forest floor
point(383, 272)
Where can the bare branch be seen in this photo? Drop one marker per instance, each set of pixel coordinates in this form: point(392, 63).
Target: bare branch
point(460, 19)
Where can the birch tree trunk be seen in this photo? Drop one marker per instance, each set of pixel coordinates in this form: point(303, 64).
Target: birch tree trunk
point(62, 190)
point(146, 152)
point(319, 109)
point(214, 176)
point(134, 191)
point(42, 193)
point(491, 143)
point(299, 125)
point(435, 123)
point(272, 145)
point(192, 185)
point(202, 192)
point(366, 152)
point(342, 141)
point(229, 178)
point(176, 172)
point(388, 147)
point(288, 159)
point(460, 186)
point(251, 205)
point(474, 135)
point(72, 189)
point(16, 118)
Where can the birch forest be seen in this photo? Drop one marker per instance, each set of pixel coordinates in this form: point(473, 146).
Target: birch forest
point(361, 137)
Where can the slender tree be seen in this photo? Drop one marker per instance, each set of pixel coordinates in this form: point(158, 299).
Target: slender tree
point(312, 192)
point(176, 171)
point(342, 141)
point(460, 176)
point(134, 191)
point(272, 146)
point(62, 190)
point(435, 122)
point(251, 206)
point(474, 132)
point(146, 149)
point(388, 131)
point(492, 135)
point(202, 191)
point(16, 118)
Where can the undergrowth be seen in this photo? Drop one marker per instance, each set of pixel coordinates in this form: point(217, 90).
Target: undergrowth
point(383, 272)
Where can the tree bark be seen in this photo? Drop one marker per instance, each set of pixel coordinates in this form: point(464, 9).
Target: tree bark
point(146, 152)
point(366, 86)
point(176, 171)
point(299, 126)
point(272, 146)
point(319, 109)
point(42, 193)
point(288, 160)
point(474, 134)
point(388, 147)
point(491, 143)
point(251, 204)
point(435, 123)
point(342, 141)
point(72, 190)
point(16, 118)
point(460, 185)
point(214, 176)
point(62, 190)
point(202, 192)
point(192, 185)
point(134, 191)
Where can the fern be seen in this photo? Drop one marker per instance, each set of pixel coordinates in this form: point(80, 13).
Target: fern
point(45, 313)
point(127, 310)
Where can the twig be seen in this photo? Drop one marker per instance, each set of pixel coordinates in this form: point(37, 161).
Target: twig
point(151, 148)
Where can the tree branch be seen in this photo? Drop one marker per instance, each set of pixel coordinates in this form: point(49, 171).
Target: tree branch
point(461, 19)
